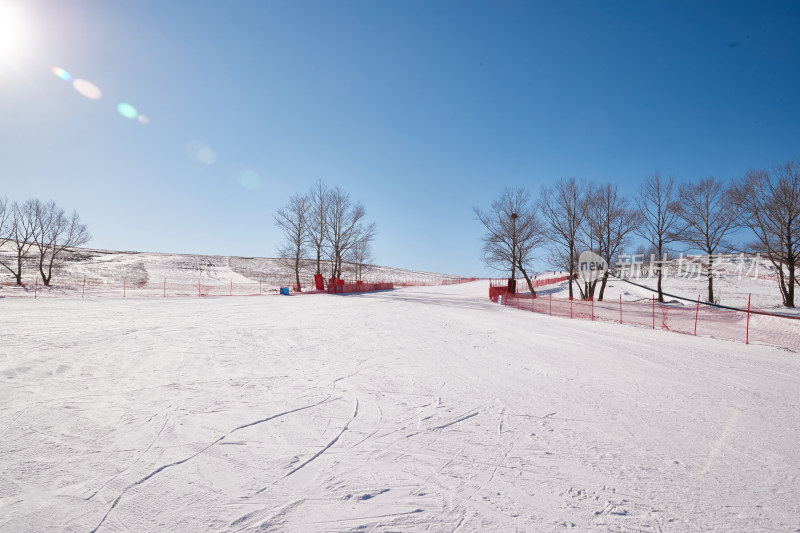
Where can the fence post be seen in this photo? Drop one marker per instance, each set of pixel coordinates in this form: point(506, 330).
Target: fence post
point(620, 309)
point(570, 307)
point(592, 306)
point(36, 288)
point(654, 311)
point(696, 314)
point(747, 337)
point(84, 287)
point(551, 304)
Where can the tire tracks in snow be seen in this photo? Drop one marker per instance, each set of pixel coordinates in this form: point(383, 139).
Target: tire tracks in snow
point(203, 449)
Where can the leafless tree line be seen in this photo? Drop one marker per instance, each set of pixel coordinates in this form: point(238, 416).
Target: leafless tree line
point(37, 234)
point(325, 229)
point(573, 215)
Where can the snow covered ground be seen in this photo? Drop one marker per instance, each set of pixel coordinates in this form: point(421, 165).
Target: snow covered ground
point(417, 409)
point(738, 277)
point(105, 271)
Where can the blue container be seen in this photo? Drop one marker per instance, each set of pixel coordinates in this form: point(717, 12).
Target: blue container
point(285, 290)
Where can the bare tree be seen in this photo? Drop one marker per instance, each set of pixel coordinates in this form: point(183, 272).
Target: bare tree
point(56, 233)
point(5, 214)
point(564, 207)
point(346, 228)
point(292, 220)
point(21, 224)
point(360, 257)
point(659, 218)
point(709, 215)
point(513, 232)
point(589, 239)
point(317, 220)
point(611, 220)
point(769, 205)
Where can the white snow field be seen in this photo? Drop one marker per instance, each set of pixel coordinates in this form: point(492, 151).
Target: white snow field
point(114, 273)
point(420, 409)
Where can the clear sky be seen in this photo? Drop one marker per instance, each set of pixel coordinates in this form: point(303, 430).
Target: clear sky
point(420, 109)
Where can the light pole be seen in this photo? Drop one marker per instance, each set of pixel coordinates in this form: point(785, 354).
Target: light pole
point(512, 284)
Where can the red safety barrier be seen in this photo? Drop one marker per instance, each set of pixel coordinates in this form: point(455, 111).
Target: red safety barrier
point(340, 287)
point(743, 325)
point(500, 286)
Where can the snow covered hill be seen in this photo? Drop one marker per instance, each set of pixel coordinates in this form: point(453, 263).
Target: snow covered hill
point(423, 409)
point(108, 270)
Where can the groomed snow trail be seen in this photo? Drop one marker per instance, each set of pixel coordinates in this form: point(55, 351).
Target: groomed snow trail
point(418, 409)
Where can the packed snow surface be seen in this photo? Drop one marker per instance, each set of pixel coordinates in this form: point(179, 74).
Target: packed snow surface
point(425, 408)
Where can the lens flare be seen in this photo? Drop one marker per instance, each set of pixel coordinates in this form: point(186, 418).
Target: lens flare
point(88, 89)
point(61, 73)
point(206, 156)
point(127, 110)
point(199, 151)
point(143, 119)
point(249, 179)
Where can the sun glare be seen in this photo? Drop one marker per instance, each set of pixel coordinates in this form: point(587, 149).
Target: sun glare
point(15, 32)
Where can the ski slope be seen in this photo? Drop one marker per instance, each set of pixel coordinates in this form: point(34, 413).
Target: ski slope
point(105, 271)
point(421, 409)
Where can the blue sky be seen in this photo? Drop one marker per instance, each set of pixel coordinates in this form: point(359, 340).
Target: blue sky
point(421, 110)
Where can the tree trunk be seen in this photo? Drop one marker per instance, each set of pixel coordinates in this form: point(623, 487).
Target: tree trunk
point(50, 271)
point(41, 270)
point(571, 269)
point(528, 281)
point(782, 284)
point(603, 287)
point(790, 257)
point(659, 265)
point(592, 288)
point(710, 279)
point(297, 273)
point(18, 273)
point(49, 275)
point(570, 284)
point(660, 294)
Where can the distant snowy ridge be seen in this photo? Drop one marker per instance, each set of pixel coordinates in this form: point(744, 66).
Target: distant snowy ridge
point(139, 269)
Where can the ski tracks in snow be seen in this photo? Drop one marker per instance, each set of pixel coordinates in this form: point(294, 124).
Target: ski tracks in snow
point(323, 450)
point(202, 450)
